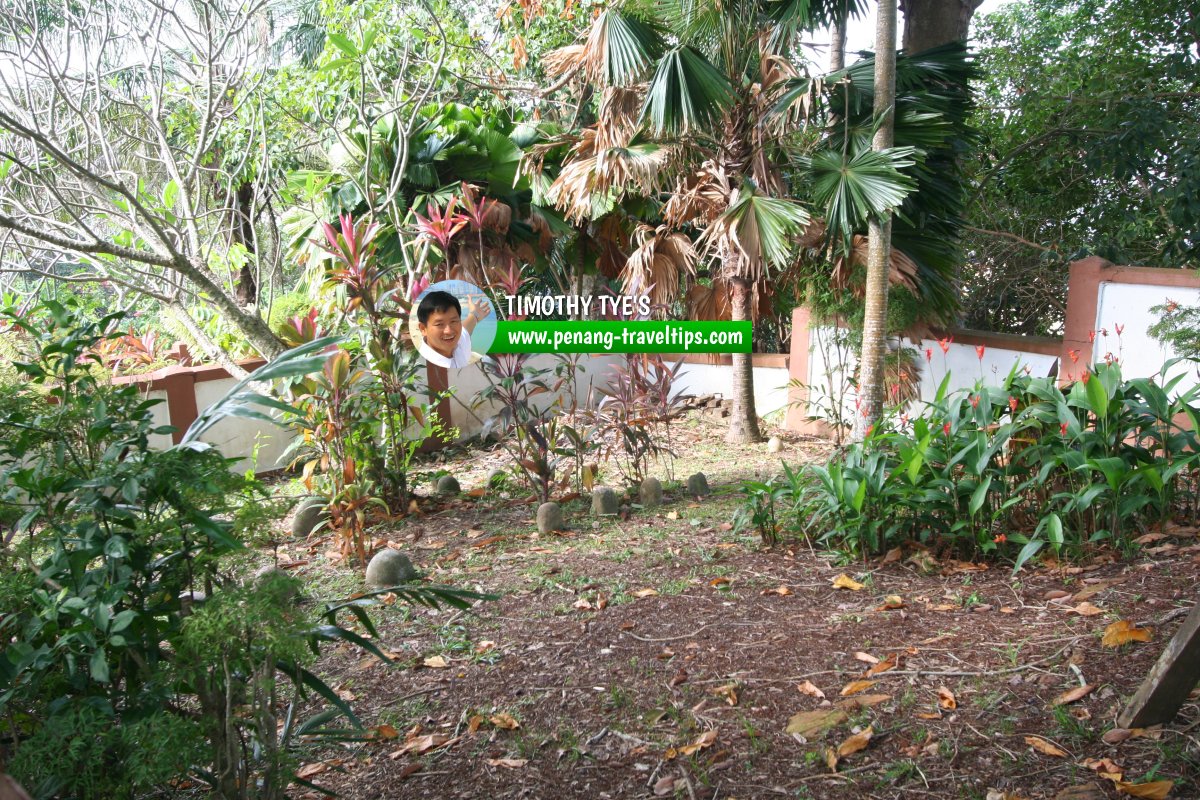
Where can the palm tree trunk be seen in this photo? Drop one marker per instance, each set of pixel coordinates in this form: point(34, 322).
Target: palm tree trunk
point(837, 40)
point(870, 370)
point(743, 420)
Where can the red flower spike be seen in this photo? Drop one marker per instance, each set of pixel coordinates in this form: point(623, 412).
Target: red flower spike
point(974, 401)
point(946, 428)
point(1074, 354)
point(929, 354)
point(945, 344)
point(1087, 376)
point(1012, 404)
point(1062, 428)
point(1000, 538)
point(979, 351)
point(1092, 337)
point(1120, 328)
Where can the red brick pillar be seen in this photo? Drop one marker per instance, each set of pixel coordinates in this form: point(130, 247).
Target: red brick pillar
point(1083, 301)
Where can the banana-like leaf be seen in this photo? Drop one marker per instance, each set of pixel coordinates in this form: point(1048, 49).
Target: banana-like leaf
point(686, 92)
point(238, 401)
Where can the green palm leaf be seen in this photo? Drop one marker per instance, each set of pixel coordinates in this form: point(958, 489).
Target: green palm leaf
point(761, 227)
point(685, 92)
point(854, 187)
point(621, 48)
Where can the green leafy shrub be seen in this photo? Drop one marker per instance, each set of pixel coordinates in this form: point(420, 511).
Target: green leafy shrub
point(132, 652)
point(1027, 463)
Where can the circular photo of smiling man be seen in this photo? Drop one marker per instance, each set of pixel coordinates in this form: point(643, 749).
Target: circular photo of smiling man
point(454, 324)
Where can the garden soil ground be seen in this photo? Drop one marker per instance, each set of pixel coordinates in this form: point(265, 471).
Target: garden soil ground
point(664, 653)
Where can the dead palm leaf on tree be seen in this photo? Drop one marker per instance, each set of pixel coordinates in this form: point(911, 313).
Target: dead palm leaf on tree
point(656, 268)
point(594, 172)
point(902, 270)
point(699, 197)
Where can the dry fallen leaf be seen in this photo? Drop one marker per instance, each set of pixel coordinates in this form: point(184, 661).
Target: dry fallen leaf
point(382, 732)
point(844, 581)
point(508, 763)
point(855, 743)
point(782, 591)
point(891, 602)
point(672, 515)
point(946, 699)
point(893, 555)
point(436, 662)
point(866, 658)
point(1045, 747)
point(1154, 790)
point(646, 593)
point(718, 582)
point(811, 690)
point(1123, 632)
point(422, 744)
point(810, 723)
point(309, 770)
point(1087, 610)
point(1071, 695)
point(862, 701)
point(728, 691)
point(888, 663)
point(854, 687)
point(1106, 767)
point(831, 759)
point(504, 721)
point(704, 740)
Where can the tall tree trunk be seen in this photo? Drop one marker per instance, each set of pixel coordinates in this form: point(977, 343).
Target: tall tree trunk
point(837, 41)
point(743, 419)
point(928, 23)
point(243, 234)
point(879, 234)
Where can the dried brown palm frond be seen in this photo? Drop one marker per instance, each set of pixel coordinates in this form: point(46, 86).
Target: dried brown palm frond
point(699, 197)
point(709, 302)
point(498, 217)
point(774, 69)
point(613, 241)
point(557, 62)
point(592, 172)
point(618, 118)
point(712, 302)
point(902, 270)
point(533, 160)
point(658, 264)
point(814, 234)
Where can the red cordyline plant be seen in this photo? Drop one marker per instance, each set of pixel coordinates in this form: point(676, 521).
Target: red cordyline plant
point(353, 250)
point(441, 225)
point(365, 416)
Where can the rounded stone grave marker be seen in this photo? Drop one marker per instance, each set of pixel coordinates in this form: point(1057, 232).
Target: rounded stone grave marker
point(549, 518)
point(309, 514)
point(604, 502)
point(651, 493)
point(389, 567)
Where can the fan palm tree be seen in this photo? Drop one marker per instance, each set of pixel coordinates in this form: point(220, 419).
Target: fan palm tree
point(709, 100)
